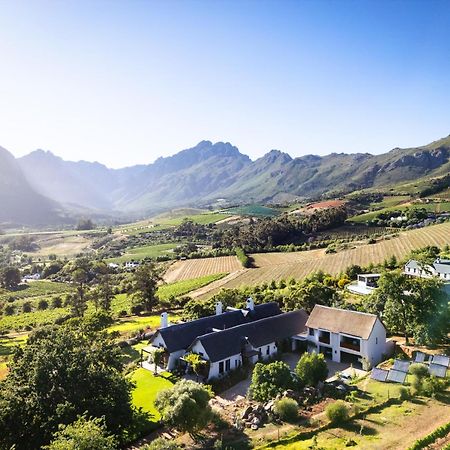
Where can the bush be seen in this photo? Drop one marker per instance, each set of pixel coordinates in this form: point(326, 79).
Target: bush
point(337, 412)
point(269, 380)
point(431, 386)
point(42, 305)
point(420, 370)
point(26, 307)
point(162, 444)
point(286, 409)
point(243, 258)
point(57, 302)
point(311, 369)
point(405, 393)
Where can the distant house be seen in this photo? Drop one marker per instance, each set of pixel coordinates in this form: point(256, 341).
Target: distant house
point(440, 268)
point(365, 283)
point(346, 336)
point(176, 339)
point(33, 277)
point(129, 265)
point(226, 350)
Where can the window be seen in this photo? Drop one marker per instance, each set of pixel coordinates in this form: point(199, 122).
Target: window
point(228, 365)
point(200, 353)
point(311, 331)
point(221, 367)
point(236, 363)
point(376, 341)
point(268, 350)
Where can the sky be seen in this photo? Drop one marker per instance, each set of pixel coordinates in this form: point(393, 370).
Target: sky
point(124, 82)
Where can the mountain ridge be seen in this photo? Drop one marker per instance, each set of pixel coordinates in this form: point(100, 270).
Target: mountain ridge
point(201, 174)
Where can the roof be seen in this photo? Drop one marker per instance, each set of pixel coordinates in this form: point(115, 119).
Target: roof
point(342, 321)
point(180, 336)
point(439, 265)
point(370, 275)
point(223, 344)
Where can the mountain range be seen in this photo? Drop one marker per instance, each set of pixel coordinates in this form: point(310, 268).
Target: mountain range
point(41, 188)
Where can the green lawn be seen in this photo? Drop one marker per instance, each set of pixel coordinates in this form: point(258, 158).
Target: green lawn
point(252, 210)
point(147, 388)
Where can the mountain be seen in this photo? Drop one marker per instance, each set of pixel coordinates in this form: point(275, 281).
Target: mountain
point(20, 203)
point(202, 174)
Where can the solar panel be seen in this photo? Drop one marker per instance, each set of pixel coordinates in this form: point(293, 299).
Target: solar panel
point(379, 374)
point(401, 365)
point(396, 376)
point(442, 360)
point(420, 357)
point(437, 370)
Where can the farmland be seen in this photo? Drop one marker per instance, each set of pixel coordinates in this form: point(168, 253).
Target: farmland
point(277, 266)
point(146, 251)
point(252, 210)
point(196, 268)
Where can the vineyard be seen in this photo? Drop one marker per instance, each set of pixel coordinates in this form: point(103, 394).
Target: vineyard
point(277, 266)
point(196, 268)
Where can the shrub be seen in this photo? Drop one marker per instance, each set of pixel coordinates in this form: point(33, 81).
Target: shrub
point(243, 258)
point(431, 386)
point(162, 444)
point(337, 412)
point(311, 369)
point(42, 305)
point(405, 393)
point(420, 370)
point(286, 409)
point(269, 380)
point(26, 307)
point(57, 302)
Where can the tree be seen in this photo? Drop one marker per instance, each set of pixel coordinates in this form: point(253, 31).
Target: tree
point(83, 434)
point(85, 224)
point(196, 362)
point(269, 380)
point(103, 294)
point(157, 358)
point(10, 277)
point(145, 285)
point(311, 369)
point(185, 406)
point(61, 373)
point(80, 275)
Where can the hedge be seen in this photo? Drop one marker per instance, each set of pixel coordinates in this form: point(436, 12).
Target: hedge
point(245, 260)
point(430, 438)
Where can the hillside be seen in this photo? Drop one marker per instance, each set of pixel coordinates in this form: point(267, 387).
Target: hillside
point(202, 174)
point(20, 203)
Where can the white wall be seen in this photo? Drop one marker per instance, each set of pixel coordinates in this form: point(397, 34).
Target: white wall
point(158, 341)
point(235, 362)
point(375, 347)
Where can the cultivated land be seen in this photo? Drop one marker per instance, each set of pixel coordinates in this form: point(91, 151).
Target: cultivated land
point(277, 266)
point(195, 268)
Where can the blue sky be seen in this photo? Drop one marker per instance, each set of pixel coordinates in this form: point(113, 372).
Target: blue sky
point(124, 82)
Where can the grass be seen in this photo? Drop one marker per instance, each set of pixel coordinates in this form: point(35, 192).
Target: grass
point(147, 388)
point(146, 251)
point(122, 302)
point(252, 210)
point(137, 323)
point(36, 289)
point(23, 321)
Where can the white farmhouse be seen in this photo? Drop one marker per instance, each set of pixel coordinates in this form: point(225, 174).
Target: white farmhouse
point(365, 284)
point(346, 336)
point(226, 350)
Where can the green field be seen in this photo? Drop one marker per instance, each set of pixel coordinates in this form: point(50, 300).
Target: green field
point(36, 289)
point(146, 251)
point(147, 388)
point(389, 201)
point(136, 323)
point(252, 210)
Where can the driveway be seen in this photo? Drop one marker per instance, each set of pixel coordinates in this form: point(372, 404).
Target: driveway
point(239, 390)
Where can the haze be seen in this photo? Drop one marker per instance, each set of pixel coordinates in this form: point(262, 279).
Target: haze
point(127, 82)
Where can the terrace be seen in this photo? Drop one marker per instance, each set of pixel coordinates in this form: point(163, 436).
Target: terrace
point(350, 343)
point(324, 337)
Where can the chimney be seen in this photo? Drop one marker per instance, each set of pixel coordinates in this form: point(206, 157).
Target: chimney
point(250, 304)
point(219, 308)
point(164, 320)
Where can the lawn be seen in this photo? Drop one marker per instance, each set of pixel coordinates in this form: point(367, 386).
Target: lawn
point(147, 388)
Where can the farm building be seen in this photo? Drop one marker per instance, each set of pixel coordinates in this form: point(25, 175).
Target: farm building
point(225, 350)
point(346, 336)
point(365, 283)
point(176, 339)
point(440, 268)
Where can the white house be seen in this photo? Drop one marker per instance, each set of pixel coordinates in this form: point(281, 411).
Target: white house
point(346, 336)
point(226, 350)
point(365, 284)
point(176, 339)
point(440, 268)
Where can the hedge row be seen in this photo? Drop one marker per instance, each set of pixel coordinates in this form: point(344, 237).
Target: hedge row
point(432, 437)
point(245, 260)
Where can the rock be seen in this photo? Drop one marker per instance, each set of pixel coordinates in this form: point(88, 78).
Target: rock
point(254, 427)
point(246, 412)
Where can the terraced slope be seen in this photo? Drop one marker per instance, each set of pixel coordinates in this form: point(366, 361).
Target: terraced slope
point(277, 266)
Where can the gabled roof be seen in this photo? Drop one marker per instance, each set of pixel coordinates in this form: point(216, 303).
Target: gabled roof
point(342, 321)
point(180, 336)
point(220, 345)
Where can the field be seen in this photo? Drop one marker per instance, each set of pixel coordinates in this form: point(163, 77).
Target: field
point(36, 289)
point(146, 251)
point(252, 210)
point(133, 324)
point(394, 427)
point(277, 266)
point(196, 268)
point(390, 201)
